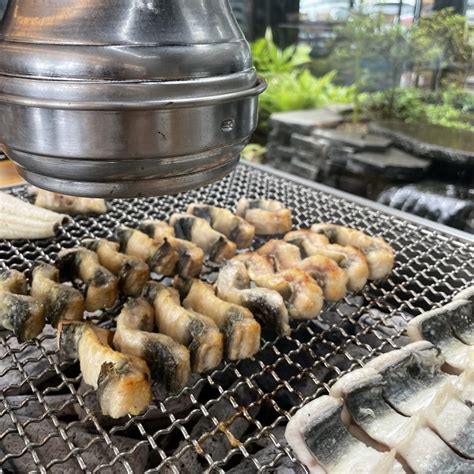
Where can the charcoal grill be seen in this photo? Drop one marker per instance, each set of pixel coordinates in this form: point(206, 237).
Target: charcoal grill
point(232, 419)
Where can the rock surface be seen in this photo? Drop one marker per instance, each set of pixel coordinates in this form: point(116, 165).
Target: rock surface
point(393, 163)
point(431, 141)
point(358, 141)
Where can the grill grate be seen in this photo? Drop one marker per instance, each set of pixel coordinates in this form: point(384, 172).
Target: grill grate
point(233, 419)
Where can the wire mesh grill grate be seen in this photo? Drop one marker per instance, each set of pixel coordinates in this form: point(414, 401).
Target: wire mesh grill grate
point(232, 419)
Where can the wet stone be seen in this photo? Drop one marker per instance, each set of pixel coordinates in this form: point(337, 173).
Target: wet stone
point(304, 121)
point(393, 163)
point(280, 152)
point(303, 169)
point(449, 145)
point(358, 141)
point(309, 119)
point(316, 148)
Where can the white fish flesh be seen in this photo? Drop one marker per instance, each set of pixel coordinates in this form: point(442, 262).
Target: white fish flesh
point(325, 271)
point(122, 381)
point(452, 419)
point(379, 254)
point(13, 281)
point(72, 205)
point(303, 296)
point(420, 447)
point(241, 331)
point(162, 258)
point(22, 220)
point(214, 244)
point(224, 221)
point(60, 301)
point(233, 285)
point(269, 217)
point(465, 386)
point(132, 272)
point(412, 376)
point(23, 315)
point(191, 257)
point(101, 284)
point(350, 259)
point(323, 444)
point(169, 362)
point(197, 332)
point(12, 205)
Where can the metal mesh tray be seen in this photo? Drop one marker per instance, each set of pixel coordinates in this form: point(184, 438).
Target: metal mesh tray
point(232, 419)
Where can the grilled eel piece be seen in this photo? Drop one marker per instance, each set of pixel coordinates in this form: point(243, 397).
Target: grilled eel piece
point(350, 259)
point(233, 285)
point(380, 255)
point(13, 281)
point(161, 258)
point(302, 295)
point(101, 284)
point(191, 256)
point(326, 272)
point(122, 381)
point(198, 333)
point(224, 221)
point(132, 272)
point(23, 315)
point(269, 217)
point(68, 204)
point(214, 244)
point(169, 362)
point(60, 301)
point(241, 331)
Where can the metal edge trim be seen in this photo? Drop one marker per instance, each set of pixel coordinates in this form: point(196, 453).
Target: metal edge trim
point(162, 104)
point(449, 231)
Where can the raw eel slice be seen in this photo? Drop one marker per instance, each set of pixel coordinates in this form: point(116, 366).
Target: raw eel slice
point(421, 448)
point(465, 386)
point(453, 420)
point(412, 376)
point(320, 440)
point(467, 333)
point(467, 294)
point(459, 314)
point(434, 326)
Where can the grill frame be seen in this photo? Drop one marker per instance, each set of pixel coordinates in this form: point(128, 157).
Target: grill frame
point(249, 402)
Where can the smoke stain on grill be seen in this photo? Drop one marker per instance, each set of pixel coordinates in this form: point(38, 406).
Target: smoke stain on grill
point(235, 415)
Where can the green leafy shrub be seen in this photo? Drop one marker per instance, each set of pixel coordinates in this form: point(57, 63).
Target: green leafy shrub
point(451, 108)
point(299, 90)
point(291, 86)
point(443, 41)
point(269, 59)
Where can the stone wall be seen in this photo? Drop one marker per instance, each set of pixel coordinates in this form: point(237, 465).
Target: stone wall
point(366, 160)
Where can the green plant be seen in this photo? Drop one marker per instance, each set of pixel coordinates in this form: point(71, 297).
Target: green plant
point(254, 152)
point(442, 41)
point(269, 59)
point(451, 108)
point(291, 86)
point(300, 90)
point(372, 54)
